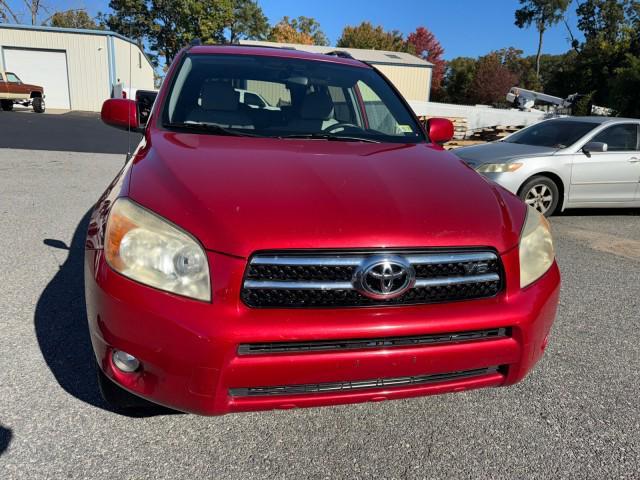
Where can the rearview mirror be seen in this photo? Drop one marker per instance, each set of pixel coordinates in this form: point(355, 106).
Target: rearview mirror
point(440, 130)
point(121, 113)
point(594, 147)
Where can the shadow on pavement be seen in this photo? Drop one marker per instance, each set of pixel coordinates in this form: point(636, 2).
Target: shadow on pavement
point(599, 212)
point(62, 330)
point(5, 439)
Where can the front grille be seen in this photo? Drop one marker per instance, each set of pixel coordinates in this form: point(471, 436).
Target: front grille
point(359, 344)
point(359, 385)
point(288, 280)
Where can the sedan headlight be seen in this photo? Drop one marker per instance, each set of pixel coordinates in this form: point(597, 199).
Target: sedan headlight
point(536, 247)
point(146, 248)
point(498, 167)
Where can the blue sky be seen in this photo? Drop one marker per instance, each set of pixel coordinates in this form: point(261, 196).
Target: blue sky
point(464, 27)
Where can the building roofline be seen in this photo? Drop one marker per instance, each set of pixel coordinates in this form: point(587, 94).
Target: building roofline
point(366, 55)
point(80, 31)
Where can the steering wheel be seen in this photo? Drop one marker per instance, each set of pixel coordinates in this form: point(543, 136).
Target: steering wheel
point(343, 125)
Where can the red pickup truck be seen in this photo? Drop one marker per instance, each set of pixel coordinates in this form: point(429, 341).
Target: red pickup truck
point(13, 90)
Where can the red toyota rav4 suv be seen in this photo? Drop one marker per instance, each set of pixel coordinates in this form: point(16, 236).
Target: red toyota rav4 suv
point(315, 248)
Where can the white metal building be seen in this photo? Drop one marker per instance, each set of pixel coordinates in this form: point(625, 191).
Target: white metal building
point(410, 75)
point(77, 68)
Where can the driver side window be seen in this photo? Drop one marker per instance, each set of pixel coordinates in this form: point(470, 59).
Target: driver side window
point(11, 77)
point(379, 116)
point(619, 138)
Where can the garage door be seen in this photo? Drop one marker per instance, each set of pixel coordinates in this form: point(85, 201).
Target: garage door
point(46, 68)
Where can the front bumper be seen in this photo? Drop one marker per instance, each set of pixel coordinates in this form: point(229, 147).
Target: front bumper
point(190, 359)
point(512, 181)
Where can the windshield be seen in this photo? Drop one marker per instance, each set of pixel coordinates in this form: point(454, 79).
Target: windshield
point(552, 133)
point(284, 97)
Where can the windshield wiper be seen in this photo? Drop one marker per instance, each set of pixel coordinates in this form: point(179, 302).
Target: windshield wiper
point(330, 137)
point(210, 128)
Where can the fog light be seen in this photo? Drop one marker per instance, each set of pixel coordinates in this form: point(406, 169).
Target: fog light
point(125, 362)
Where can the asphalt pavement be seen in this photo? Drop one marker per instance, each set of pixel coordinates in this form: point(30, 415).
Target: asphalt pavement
point(577, 415)
point(70, 131)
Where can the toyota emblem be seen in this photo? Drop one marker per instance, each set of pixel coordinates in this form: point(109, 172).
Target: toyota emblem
point(383, 277)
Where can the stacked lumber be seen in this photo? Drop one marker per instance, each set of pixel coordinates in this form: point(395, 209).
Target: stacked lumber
point(483, 136)
point(498, 132)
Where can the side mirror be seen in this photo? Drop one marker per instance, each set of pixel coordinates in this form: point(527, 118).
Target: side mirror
point(440, 130)
point(145, 100)
point(121, 113)
point(594, 147)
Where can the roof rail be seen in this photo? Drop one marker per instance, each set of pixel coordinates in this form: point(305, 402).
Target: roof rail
point(340, 53)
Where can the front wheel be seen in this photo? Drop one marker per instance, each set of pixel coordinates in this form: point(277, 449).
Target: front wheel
point(541, 193)
point(38, 105)
point(7, 105)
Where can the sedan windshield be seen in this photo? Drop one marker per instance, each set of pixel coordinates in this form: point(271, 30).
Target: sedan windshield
point(266, 96)
point(552, 133)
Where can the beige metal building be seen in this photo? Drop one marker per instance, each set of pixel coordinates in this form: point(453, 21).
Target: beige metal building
point(77, 68)
point(411, 75)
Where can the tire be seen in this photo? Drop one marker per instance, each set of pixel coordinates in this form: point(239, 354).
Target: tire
point(7, 105)
point(118, 398)
point(38, 105)
point(542, 193)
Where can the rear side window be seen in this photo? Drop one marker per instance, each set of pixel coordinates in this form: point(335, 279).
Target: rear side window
point(619, 138)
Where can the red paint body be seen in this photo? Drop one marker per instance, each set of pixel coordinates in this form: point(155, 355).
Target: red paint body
point(242, 195)
point(120, 113)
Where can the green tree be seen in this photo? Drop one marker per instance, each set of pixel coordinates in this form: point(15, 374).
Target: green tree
point(543, 14)
point(169, 25)
point(249, 22)
point(611, 30)
point(73, 19)
point(458, 77)
point(367, 36)
point(305, 30)
point(624, 87)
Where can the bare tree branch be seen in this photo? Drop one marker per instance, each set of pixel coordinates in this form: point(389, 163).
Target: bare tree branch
point(34, 7)
point(4, 8)
point(574, 42)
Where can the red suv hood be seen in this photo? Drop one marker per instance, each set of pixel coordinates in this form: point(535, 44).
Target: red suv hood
point(239, 194)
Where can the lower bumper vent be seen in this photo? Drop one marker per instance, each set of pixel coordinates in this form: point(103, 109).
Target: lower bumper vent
point(358, 344)
point(359, 385)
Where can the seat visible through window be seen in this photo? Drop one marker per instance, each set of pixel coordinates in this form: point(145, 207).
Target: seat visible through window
point(316, 113)
point(219, 104)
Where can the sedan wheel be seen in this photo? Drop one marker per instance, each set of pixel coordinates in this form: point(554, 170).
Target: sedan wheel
point(540, 197)
point(541, 193)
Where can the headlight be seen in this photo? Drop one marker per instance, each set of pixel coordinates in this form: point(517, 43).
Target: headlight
point(536, 248)
point(146, 248)
point(498, 167)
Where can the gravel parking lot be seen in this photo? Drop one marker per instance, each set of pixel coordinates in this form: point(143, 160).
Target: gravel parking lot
point(576, 416)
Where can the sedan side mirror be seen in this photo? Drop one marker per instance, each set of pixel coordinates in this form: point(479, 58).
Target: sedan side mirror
point(440, 130)
point(594, 147)
point(121, 113)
